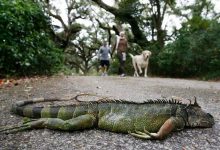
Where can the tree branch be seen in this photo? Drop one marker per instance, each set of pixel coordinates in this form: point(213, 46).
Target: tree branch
point(58, 18)
point(164, 10)
point(139, 37)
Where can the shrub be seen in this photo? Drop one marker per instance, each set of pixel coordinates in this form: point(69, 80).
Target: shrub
point(25, 46)
point(192, 54)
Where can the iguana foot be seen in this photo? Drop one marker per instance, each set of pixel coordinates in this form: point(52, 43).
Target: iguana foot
point(139, 134)
point(14, 128)
point(32, 123)
point(145, 135)
point(152, 135)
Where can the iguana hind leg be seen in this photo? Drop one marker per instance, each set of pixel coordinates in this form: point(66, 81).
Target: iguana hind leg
point(21, 127)
point(80, 122)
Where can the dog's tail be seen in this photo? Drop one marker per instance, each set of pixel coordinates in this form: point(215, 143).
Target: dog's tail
point(130, 55)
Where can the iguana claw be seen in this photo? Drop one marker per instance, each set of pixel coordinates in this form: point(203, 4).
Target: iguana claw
point(152, 135)
point(139, 135)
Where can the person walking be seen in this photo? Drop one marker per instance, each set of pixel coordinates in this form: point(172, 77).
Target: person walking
point(121, 49)
point(103, 56)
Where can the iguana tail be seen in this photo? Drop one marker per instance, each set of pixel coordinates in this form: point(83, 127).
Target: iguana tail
point(21, 108)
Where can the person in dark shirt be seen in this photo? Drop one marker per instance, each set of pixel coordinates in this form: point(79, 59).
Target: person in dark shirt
point(103, 56)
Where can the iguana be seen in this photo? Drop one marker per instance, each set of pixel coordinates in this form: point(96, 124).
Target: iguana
point(147, 120)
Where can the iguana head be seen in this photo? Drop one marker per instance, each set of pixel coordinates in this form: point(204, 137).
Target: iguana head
point(199, 118)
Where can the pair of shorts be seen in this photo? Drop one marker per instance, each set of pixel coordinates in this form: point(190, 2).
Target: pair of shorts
point(104, 63)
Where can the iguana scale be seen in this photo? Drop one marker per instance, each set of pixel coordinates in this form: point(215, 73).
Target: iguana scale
point(147, 120)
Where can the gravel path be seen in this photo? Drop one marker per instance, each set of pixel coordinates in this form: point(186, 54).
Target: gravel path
point(129, 88)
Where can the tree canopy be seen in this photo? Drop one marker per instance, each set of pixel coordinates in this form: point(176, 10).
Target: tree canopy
point(25, 45)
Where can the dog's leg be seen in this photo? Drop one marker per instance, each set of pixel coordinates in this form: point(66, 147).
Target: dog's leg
point(136, 71)
point(139, 68)
point(135, 74)
point(135, 68)
point(145, 72)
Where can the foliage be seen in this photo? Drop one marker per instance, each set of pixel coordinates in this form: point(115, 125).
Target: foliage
point(25, 46)
point(193, 53)
point(81, 55)
point(195, 45)
point(129, 6)
point(67, 24)
point(153, 68)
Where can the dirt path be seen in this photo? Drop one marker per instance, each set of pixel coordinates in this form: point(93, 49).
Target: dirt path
point(129, 88)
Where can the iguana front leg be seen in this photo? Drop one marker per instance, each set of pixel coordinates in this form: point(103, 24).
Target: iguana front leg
point(80, 122)
point(141, 135)
point(172, 124)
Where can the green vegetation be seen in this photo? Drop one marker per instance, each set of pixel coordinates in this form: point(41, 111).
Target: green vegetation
point(30, 44)
point(194, 53)
point(25, 46)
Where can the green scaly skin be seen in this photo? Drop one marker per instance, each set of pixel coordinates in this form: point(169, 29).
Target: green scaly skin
point(147, 120)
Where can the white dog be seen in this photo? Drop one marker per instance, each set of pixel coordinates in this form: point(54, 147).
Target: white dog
point(140, 61)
